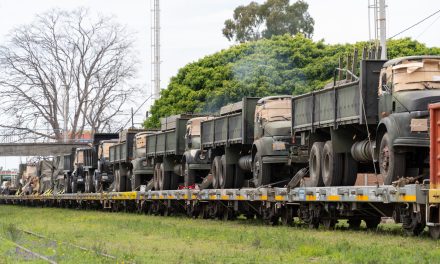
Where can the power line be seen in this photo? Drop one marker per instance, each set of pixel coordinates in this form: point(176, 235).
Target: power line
point(428, 27)
point(128, 121)
point(421, 21)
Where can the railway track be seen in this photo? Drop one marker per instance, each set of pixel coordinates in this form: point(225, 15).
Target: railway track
point(50, 243)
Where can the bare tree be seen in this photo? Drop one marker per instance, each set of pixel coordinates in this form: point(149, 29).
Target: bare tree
point(66, 66)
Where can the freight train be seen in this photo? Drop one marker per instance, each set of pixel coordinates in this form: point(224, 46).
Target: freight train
point(292, 155)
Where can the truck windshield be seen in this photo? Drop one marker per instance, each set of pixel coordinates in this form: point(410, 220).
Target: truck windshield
point(416, 75)
point(141, 141)
point(276, 109)
point(104, 150)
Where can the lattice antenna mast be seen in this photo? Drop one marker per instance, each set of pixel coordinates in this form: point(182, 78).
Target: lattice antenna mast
point(155, 49)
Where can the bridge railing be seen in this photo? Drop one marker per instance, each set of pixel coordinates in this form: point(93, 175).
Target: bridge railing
point(7, 138)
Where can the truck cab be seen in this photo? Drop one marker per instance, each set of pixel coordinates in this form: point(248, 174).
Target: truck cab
point(272, 136)
point(103, 174)
point(406, 86)
point(195, 163)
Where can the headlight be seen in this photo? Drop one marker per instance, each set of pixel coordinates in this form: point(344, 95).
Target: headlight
point(278, 145)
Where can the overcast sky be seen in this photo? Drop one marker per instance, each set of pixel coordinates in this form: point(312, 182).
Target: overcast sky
point(191, 29)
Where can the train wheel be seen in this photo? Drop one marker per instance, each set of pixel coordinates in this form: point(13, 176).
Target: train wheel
point(332, 165)
point(226, 178)
point(354, 223)
point(287, 216)
point(216, 169)
point(315, 164)
point(189, 176)
point(434, 232)
point(228, 214)
point(261, 171)
point(372, 223)
point(392, 165)
point(350, 170)
point(329, 223)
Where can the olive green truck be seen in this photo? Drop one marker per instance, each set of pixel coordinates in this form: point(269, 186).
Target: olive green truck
point(375, 123)
point(248, 144)
point(174, 152)
point(128, 160)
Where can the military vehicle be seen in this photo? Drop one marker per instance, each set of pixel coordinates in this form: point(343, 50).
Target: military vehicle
point(249, 140)
point(8, 182)
point(67, 170)
point(170, 151)
point(45, 169)
point(29, 179)
point(86, 162)
point(377, 122)
point(128, 160)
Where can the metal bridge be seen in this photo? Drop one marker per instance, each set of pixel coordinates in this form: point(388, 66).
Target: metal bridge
point(16, 145)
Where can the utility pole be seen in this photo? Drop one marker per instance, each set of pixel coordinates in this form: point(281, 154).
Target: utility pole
point(382, 29)
point(155, 49)
point(65, 111)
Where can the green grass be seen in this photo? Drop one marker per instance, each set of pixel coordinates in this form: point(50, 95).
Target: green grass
point(155, 239)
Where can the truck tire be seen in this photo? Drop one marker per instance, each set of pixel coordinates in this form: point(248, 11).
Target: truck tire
point(226, 176)
point(88, 182)
point(156, 176)
point(96, 182)
point(315, 165)
point(74, 185)
point(216, 168)
point(164, 178)
point(261, 172)
point(350, 170)
point(332, 165)
point(67, 185)
point(189, 176)
point(120, 181)
point(392, 165)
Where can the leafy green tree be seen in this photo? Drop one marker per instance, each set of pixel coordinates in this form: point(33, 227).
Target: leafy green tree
point(274, 17)
point(280, 65)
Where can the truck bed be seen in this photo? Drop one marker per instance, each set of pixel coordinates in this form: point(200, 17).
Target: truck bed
point(234, 126)
point(340, 104)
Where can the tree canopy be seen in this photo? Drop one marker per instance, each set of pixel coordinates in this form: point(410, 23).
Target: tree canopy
point(65, 68)
point(280, 65)
point(274, 17)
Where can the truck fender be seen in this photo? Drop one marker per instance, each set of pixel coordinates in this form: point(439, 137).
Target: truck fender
point(190, 156)
point(386, 125)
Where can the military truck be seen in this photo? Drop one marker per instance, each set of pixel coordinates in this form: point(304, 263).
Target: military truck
point(249, 141)
point(67, 170)
point(45, 169)
point(63, 167)
point(377, 122)
point(173, 149)
point(128, 159)
point(86, 162)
